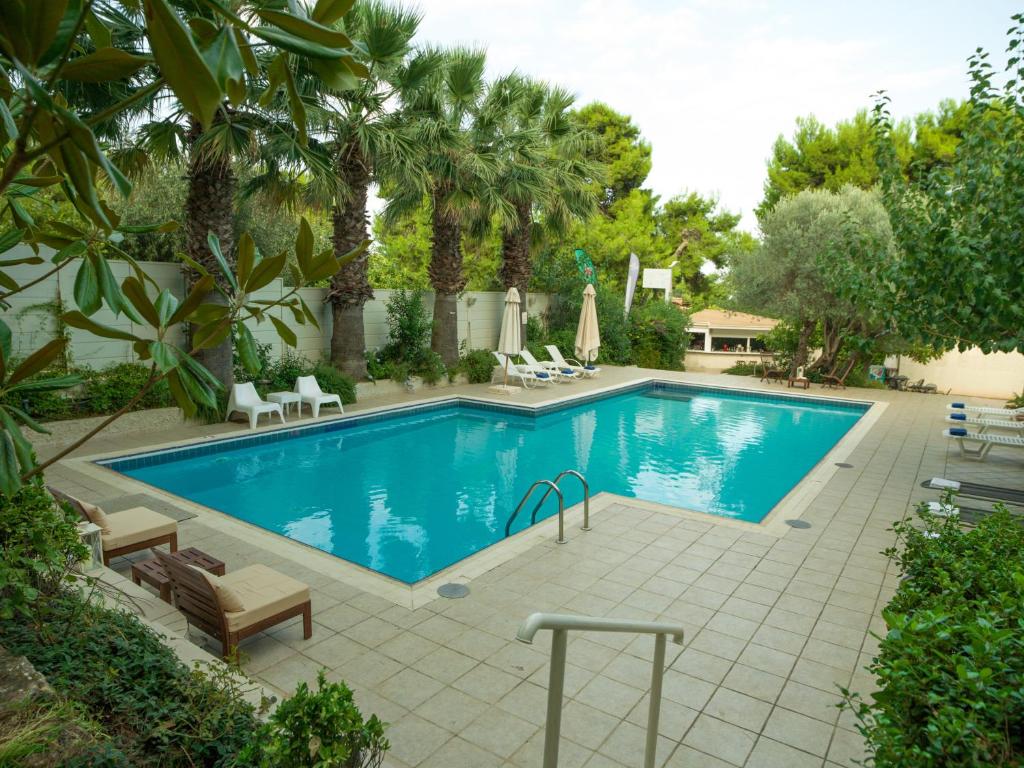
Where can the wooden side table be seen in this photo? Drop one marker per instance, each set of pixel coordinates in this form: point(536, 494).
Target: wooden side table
point(801, 381)
point(286, 399)
point(154, 574)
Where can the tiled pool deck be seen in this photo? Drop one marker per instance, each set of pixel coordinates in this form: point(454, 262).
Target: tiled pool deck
point(774, 623)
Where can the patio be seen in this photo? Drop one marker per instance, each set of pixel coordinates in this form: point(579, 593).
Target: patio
point(774, 623)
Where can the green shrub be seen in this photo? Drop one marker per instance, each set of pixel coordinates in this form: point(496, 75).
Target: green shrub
point(744, 369)
point(38, 545)
point(43, 406)
point(478, 365)
point(408, 328)
point(160, 712)
point(280, 375)
point(110, 389)
point(334, 381)
point(323, 729)
point(951, 667)
point(658, 335)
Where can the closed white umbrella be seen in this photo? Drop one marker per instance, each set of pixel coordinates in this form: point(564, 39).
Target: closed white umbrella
point(510, 340)
point(588, 338)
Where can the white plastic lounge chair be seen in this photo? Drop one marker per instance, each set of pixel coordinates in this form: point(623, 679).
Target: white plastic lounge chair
point(548, 366)
point(1009, 413)
point(985, 424)
point(585, 370)
point(309, 389)
point(985, 442)
point(245, 399)
point(526, 377)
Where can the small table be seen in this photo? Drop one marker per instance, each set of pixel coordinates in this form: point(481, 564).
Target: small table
point(800, 381)
point(285, 399)
point(154, 574)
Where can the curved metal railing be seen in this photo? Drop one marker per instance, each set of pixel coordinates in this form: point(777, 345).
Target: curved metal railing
point(586, 498)
point(561, 509)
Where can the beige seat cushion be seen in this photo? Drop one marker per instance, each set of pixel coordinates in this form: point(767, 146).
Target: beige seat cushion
point(136, 525)
point(264, 592)
point(227, 598)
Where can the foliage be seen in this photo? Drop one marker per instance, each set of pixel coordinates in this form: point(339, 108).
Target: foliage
point(819, 157)
point(54, 731)
point(658, 335)
point(324, 729)
point(477, 364)
point(624, 154)
point(1017, 401)
point(951, 667)
point(111, 389)
point(744, 368)
point(38, 545)
point(205, 57)
point(161, 712)
point(957, 283)
point(407, 352)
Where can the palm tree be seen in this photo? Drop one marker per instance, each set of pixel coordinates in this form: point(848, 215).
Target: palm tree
point(544, 181)
point(456, 162)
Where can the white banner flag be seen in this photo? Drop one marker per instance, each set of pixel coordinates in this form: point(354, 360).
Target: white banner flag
point(634, 273)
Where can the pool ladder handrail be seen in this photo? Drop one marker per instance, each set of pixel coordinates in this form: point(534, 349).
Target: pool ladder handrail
point(553, 486)
point(560, 625)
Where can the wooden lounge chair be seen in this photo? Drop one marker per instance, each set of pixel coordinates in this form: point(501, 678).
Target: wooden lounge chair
point(770, 371)
point(125, 532)
point(238, 604)
point(832, 381)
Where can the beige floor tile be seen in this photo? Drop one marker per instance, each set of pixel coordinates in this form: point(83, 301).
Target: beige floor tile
point(724, 740)
point(772, 754)
point(414, 739)
point(498, 732)
point(754, 682)
point(367, 669)
point(334, 651)
point(810, 701)
point(451, 709)
point(768, 659)
point(739, 709)
point(586, 725)
point(445, 665)
point(610, 696)
point(796, 730)
point(486, 683)
point(687, 757)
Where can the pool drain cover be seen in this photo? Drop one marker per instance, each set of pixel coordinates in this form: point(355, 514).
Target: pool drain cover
point(453, 591)
point(798, 524)
point(844, 465)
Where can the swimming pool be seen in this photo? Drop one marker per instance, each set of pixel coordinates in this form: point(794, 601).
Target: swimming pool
point(407, 493)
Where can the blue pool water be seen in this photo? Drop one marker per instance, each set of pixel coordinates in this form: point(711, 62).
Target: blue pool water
point(411, 493)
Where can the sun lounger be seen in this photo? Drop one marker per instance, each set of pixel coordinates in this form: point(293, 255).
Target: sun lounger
point(985, 442)
point(838, 381)
point(985, 424)
point(526, 377)
point(977, 490)
point(1009, 413)
point(238, 604)
point(549, 366)
point(124, 532)
point(588, 370)
point(245, 399)
point(308, 388)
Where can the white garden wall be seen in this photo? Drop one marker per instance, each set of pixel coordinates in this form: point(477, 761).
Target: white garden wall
point(998, 374)
point(32, 315)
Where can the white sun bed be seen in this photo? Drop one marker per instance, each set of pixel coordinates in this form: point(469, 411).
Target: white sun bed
point(985, 442)
point(308, 388)
point(245, 399)
point(1009, 413)
point(526, 377)
point(585, 370)
point(549, 366)
point(984, 424)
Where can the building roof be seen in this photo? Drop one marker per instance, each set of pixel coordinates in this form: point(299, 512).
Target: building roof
point(715, 319)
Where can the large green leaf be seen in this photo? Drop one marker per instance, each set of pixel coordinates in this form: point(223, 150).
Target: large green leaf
point(195, 297)
point(306, 29)
point(180, 394)
point(335, 73)
point(265, 272)
point(247, 351)
point(30, 26)
point(10, 477)
point(37, 361)
point(180, 62)
point(164, 355)
point(136, 293)
point(284, 331)
point(329, 11)
point(224, 58)
point(295, 106)
point(78, 320)
point(214, 242)
point(87, 288)
point(210, 334)
point(166, 305)
point(297, 45)
point(103, 65)
point(22, 447)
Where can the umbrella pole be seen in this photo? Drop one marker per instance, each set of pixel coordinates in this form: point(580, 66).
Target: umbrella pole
point(506, 371)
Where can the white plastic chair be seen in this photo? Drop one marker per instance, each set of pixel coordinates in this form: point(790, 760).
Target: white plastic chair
point(548, 366)
point(245, 399)
point(309, 389)
point(575, 365)
point(526, 377)
point(1010, 413)
point(984, 442)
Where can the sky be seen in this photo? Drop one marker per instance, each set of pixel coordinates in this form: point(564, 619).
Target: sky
point(712, 83)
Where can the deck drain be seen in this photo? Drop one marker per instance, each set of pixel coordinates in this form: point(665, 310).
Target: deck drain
point(798, 524)
point(844, 465)
point(453, 591)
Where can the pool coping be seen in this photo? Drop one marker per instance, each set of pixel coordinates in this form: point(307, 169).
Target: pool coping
point(415, 595)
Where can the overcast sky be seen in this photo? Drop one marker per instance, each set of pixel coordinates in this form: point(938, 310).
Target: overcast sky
point(711, 83)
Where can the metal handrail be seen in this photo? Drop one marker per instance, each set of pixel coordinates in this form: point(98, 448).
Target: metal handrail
point(586, 498)
point(561, 509)
point(560, 624)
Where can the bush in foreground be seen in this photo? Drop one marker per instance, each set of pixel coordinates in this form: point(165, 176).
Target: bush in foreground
point(951, 668)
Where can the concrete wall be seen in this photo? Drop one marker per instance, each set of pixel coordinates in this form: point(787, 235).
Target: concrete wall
point(32, 315)
point(999, 374)
point(716, 362)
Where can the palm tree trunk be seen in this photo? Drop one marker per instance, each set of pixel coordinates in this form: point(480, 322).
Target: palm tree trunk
point(210, 207)
point(445, 275)
point(516, 267)
point(350, 287)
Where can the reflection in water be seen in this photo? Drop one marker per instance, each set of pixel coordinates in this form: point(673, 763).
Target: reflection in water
point(411, 495)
